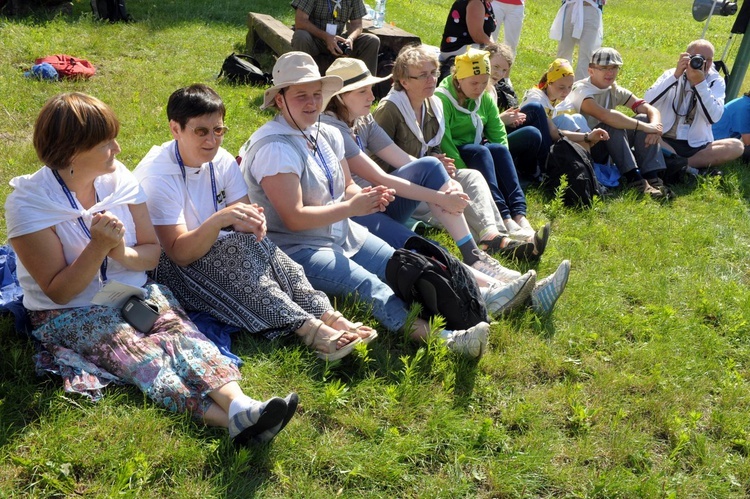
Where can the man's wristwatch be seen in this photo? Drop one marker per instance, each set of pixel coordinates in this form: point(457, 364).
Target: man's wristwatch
point(586, 137)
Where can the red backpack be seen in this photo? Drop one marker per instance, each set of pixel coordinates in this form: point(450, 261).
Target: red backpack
point(68, 66)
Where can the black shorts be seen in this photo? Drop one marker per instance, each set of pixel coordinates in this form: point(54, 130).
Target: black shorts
point(682, 148)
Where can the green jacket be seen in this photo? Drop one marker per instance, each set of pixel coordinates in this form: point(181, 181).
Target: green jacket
point(459, 129)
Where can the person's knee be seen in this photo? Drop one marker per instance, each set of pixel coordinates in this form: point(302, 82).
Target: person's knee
point(303, 41)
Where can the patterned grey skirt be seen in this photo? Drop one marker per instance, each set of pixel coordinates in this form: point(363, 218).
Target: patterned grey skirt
point(248, 284)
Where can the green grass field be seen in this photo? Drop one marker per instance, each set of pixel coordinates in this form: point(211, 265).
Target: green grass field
point(637, 386)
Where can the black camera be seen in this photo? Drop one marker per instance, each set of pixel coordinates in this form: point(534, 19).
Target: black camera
point(697, 61)
point(344, 47)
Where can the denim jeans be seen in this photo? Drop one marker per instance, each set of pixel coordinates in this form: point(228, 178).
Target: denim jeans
point(529, 144)
point(427, 172)
point(496, 164)
point(363, 275)
point(628, 150)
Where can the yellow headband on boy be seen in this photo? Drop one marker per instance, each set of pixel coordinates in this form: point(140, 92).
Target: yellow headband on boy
point(473, 62)
point(560, 68)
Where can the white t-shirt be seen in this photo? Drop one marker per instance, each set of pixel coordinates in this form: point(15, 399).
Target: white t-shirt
point(39, 196)
point(173, 200)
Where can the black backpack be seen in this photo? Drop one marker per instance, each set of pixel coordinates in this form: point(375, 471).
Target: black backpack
point(424, 272)
point(110, 10)
point(569, 159)
point(244, 69)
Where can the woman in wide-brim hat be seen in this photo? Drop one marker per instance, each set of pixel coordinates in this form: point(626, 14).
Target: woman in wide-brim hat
point(296, 169)
point(414, 180)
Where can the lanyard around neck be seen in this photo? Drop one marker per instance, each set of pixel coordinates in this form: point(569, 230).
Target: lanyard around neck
point(184, 175)
point(318, 155)
point(74, 205)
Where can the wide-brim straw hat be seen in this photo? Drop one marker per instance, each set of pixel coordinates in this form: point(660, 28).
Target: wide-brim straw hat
point(298, 68)
point(355, 74)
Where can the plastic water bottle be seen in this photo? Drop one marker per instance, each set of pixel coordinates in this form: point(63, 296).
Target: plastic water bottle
point(379, 14)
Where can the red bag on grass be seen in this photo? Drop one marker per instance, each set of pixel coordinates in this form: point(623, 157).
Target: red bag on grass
point(68, 66)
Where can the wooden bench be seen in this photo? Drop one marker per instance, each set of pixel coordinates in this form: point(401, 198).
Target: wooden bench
point(278, 37)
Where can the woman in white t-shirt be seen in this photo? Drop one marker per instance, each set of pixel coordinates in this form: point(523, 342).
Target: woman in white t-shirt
point(216, 257)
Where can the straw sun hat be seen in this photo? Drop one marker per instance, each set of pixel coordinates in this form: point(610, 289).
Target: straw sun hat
point(298, 68)
point(355, 74)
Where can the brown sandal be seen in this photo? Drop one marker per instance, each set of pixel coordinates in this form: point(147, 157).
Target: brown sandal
point(325, 348)
point(356, 328)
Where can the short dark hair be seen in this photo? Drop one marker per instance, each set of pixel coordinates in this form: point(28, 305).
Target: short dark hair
point(71, 123)
point(196, 100)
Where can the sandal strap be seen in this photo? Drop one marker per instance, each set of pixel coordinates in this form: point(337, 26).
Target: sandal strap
point(333, 317)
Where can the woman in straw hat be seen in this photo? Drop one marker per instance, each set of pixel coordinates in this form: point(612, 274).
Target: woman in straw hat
point(551, 92)
point(296, 169)
point(216, 257)
point(80, 227)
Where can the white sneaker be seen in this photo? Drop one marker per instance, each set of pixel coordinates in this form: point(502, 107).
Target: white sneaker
point(548, 290)
point(492, 268)
point(502, 298)
point(516, 231)
point(470, 342)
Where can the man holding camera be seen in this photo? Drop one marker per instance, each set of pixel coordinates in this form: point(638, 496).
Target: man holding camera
point(690, 98)
point(319, 30)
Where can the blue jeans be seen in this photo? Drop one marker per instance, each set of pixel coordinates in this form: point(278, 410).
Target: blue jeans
point(494, 162)
point(529, 144)
point(362, 275)
point(427, 172)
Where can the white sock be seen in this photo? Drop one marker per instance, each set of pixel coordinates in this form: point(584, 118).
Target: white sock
point(242, 403)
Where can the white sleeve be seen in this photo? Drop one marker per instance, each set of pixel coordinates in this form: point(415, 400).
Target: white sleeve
point(273, 158)
point(166, 199)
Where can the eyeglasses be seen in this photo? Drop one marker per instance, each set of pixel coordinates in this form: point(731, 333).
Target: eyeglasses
point(424, 76)
point(202, 131)
point(607, 69)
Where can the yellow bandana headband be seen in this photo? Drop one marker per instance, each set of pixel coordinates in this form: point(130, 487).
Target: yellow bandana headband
point(473, 62)
point(559, 68)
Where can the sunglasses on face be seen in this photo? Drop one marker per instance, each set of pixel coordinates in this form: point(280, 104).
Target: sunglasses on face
point(202, 131)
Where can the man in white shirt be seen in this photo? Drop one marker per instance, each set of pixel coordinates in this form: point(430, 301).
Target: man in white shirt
point(690, 98)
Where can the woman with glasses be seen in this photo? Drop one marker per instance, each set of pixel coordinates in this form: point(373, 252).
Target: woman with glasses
point(216, 257)
point(412, 116)
point(80, 228)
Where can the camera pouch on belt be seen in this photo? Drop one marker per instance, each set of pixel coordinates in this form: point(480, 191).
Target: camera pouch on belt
point(140, 314)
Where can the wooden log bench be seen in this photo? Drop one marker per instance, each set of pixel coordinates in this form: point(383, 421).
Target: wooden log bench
point(278, 37)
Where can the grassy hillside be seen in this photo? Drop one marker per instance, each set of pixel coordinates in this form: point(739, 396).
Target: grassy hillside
point(637, 386)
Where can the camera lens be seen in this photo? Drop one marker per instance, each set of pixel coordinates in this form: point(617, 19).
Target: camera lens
point(697, 62)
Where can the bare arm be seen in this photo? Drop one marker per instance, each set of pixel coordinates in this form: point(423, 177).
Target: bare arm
point(362, 165)
point(475, 22)
point(285, 193)
point(185, 246)
point(746, 139)
point(42, 255)
point(145, 254)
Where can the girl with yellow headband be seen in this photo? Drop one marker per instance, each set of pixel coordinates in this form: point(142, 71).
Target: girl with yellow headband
point(551, 92)
point(475, 137)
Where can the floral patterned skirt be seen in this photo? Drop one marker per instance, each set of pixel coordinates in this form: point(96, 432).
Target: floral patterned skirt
point(175, 365)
